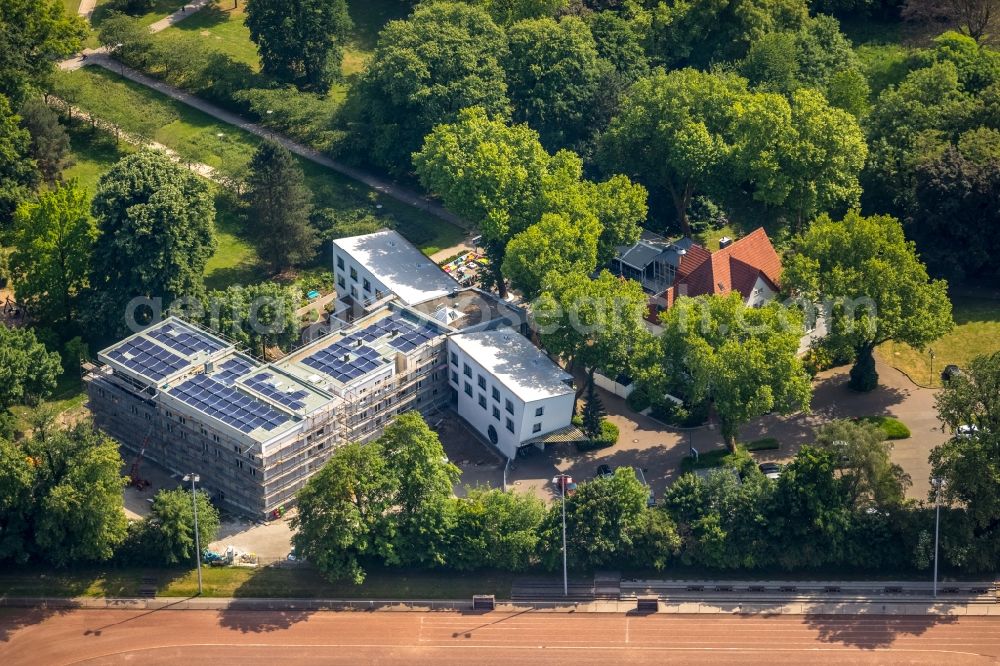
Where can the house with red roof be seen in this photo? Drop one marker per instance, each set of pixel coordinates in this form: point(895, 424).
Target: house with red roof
point(668, 269)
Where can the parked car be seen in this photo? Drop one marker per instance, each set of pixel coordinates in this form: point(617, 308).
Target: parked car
point(603, 472)
point(771, 470)
point(950, 372)
point(967, 430)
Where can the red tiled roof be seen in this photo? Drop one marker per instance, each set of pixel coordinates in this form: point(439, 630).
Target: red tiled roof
point(735, 268)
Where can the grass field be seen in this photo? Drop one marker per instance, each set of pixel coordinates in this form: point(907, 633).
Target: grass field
point(201, 138)
point(67, 396)
point(297, 582)
point(976, 332)
point(222, 28)
point(92, 153)
point(161, 9)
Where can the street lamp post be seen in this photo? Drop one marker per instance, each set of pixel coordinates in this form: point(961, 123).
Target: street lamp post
point(194, 478)
point(932, 355)
point(562, 481)
point(937, 482)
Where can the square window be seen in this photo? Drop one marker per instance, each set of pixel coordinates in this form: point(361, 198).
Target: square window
point(454, 359)
point(468, 389)
point(454, 376)
point(536, 428)
point(496, 394)
point(482, 382)
point(539, 411)
point(367, 285)
point(509, 406)
point(467, 371)
point(340, 281)
point(354, 273)
point(354, 292)
point(510, 425)
point(482, 401)
point(496, 413)
point(340, 262)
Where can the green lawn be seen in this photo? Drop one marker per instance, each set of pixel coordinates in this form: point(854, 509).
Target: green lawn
point(235, 260)
point(92, 153)
point(222, 28)
point(72, 6)
point(201, 138)
point(709, 239)
point(161, 9)
point(69, 395)
point(299, 582)
point(977, 332)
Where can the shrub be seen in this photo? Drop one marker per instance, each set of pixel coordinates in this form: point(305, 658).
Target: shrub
point(607, 438)
point(683, 416)
point(763, 444)
point(893, 428)
point(638, 399)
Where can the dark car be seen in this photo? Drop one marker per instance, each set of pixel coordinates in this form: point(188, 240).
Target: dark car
point(770, 469)
point(950, 372)
point(603, 472)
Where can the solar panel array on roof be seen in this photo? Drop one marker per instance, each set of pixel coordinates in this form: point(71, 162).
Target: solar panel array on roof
point(187, 341)
point(408, 335)
point(231, 369)
point(345, 361)
point(147, 358)
point(264, 384)
point(241, 411)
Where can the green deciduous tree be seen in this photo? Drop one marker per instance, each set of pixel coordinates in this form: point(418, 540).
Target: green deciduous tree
point(506, 12)
point(300, 41)
point(672, 134)
point(170, 530)
point(425, 514)
point(444, 58)
point(53, 239)
point(61, 497)
point(33, 35)
point(873, 481)
point(155, 235)
point(129, 39)
point(876, 286)
point(342, 512)
point(553, 245)
point(969, 463)
point(27, 371)
point(254, 316)
point(742, 359)
point(554, 74)
point(809, 513)
point(596, 324)
point(278, 208)
point(496, 530)
point(18, 173)
point(700, 32)
point(605, 522)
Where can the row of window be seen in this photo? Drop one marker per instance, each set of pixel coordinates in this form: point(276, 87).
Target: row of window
point(481, 381)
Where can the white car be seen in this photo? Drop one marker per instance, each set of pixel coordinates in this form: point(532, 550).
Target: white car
point(967, 430)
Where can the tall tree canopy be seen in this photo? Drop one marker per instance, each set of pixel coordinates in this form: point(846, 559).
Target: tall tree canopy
point(596, 324)
point(61, 497)
point(744, 360)
point(169, 534)
point(554, 75)
point(300, 41)
point(499, 177)
point(553, 245)
point(689, 132)
point(864, 457)
point(278, 209)
point(18, 174)
point(969, 462)
point(155, 235)
point(874, 285)
point(254, 316)
point(53, 239)
point(28, 371)
point(33, 35)
point(443, 58)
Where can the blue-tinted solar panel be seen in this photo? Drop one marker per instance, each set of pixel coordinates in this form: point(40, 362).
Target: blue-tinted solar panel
point(184, 339)
point(231, 369)
point(263, 383)
point(147, 358)
point(228, 405)
point(345, 361)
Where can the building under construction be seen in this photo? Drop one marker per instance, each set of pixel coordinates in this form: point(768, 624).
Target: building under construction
point(190, 401)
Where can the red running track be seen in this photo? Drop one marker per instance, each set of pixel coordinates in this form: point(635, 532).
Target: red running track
point(29, 637)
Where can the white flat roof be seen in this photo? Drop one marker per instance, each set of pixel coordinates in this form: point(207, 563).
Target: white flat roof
point(515, 363)
point(400, 266)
